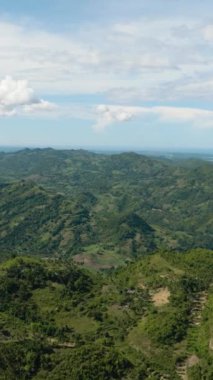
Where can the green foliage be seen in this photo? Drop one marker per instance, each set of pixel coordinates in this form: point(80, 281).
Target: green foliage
point(61, 321)
point(173, 325)
point(68, 202)
point(21, 360)
point(90, 362)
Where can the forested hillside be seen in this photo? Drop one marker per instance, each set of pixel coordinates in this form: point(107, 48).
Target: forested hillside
point(151, 319)
point(104, 209)
point(147, 315)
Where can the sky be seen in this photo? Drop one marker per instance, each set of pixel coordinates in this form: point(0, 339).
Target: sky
point(107, 73)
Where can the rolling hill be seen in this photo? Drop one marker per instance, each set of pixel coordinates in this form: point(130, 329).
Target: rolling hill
point(104, 209)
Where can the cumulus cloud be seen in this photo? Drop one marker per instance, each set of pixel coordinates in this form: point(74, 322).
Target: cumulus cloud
point(110, 114)
point(16, 93)
point(16, 97)
point(107, 115)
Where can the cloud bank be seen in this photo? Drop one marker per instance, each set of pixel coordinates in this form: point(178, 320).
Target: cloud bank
point(149, 58)
point(16, 97)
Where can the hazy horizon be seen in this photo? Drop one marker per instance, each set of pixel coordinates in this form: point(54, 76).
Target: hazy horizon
point(109, 149)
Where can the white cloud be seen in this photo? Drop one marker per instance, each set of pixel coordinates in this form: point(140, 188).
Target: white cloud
point(198, 117)
point(16, 93)
point(109, 114)
point(5, 112)
point(16, 97)
point(151, 59)
point(41, 106)
point(147, 54)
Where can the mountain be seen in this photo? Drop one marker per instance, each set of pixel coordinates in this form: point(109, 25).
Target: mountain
point(104, 209)
point(151, 319)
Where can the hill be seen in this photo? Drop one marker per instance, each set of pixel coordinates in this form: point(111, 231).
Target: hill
point(104, 209)
point(60, 321)
point(43, 223)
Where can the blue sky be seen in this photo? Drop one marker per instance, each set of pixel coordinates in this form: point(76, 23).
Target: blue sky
point(106, 73)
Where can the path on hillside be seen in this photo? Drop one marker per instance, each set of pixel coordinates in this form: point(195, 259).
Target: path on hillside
point(198, 305)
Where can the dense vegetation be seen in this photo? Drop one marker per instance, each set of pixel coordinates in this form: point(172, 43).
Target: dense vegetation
point(147, 315)
point(104, 209)
point(60, 321)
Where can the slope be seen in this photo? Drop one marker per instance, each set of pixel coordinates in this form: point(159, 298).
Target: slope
point(60, 321)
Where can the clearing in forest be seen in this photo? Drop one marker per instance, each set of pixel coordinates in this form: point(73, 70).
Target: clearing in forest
point(161, 297)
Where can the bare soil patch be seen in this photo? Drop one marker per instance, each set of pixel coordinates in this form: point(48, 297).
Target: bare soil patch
point(161, 297)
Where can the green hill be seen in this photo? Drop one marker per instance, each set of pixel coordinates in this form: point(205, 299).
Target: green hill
point(38, 221)
point(151, 319)
point(104, 209)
